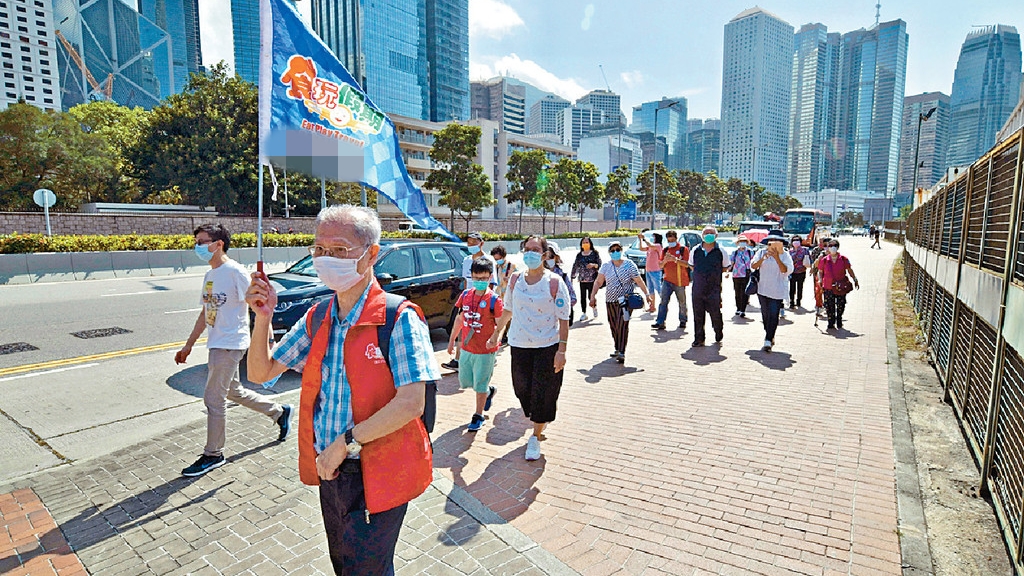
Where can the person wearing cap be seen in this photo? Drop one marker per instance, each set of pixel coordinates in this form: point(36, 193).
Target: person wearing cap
point(675, 280)
point(775, 265)
point(621, 276)
point(707, 263)
point(739, 265)
point(833, 267)
point(475, 242)
point(801, 262)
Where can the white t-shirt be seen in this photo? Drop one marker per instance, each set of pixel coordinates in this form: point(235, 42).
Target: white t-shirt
point(535, 314)
point(467, 270)
point(223, 300)
point(773, 283)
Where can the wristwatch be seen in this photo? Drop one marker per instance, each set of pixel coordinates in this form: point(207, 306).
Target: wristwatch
point(351, 445)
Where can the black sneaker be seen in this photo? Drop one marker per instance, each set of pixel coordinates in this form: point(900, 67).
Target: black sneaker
point(451, 365)
point(658, 326)
point(284, 421)
point(621, 358)
point(203, 465)
point(490, 396)
point(697, 343)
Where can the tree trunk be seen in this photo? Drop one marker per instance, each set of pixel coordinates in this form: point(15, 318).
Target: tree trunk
point(581, 220)
point(452, 219)
point(521, 208)
point(616, 214)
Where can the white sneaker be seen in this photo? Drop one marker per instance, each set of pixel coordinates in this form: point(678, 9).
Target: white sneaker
point(767, 346)
point(533, 448)
point(584, 317)
point(595, 312)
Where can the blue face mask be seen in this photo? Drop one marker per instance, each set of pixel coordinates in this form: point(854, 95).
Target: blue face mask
point(499, 262)
point(203, 252)
point(709, 238)
point(532, 260)
point(480, 285)
point(617, 255)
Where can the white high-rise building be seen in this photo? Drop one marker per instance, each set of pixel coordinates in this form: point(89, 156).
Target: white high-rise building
point(756, 80)
point(28, 54)
point(608, 151)
point(574, 122)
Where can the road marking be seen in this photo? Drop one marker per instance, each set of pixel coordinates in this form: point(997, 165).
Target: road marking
point(91, 358)
point(49, 371)
point(135, 293)
point(180, 311)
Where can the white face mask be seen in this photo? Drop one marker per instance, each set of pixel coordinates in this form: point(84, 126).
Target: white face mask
point(551, 263)
point(339, 274)
point(671, 244)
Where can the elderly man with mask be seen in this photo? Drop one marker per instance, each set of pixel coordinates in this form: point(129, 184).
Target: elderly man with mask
point(360, 434)
point(707, 263)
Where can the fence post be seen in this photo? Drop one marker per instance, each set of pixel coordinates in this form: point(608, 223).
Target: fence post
point(1000, 355)
point(965, 219)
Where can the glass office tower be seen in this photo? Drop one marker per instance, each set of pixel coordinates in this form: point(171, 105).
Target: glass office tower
point(812, 108)
point(180, 18)
point(671, 126)
point(448, 55)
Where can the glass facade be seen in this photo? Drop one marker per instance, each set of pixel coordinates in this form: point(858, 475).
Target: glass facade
point(934, 141)
point(672, 126)
point(500, 101)
point(812, 108)
point(986, 87)
point(448, 55)
point(608, 102)
point(245, 26)
point(116, 43)
point(180, 19)
point(703, 148)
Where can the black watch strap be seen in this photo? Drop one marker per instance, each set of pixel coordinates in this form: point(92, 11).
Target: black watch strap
point(349, 438)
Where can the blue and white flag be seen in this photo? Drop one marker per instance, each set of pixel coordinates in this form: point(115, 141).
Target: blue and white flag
point(314, 117)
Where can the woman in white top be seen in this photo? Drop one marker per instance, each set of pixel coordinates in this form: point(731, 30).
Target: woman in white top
point(775, 265)
point(536, 313)
point(620, 276)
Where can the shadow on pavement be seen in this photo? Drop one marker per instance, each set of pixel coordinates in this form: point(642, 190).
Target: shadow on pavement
point(704, 355)
point(843, 334)
point(449, 383)
point(192, 381)
point(772, 360)
point(607, 369)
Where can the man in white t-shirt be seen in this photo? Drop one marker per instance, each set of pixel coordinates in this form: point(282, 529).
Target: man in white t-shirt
point(226, 316)
point(475, 242)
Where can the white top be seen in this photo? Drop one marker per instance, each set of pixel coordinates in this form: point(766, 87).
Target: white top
point(535, 314)
point(773, 283)
point(467, 270)
point(223, 300)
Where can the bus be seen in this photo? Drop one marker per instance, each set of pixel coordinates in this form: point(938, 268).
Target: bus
point(806, 223)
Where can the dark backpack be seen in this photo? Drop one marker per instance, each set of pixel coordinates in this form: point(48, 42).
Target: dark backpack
point(394, 302)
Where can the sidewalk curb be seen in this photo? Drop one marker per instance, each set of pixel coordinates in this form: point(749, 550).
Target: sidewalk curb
point(541, 558)
point(913, 528)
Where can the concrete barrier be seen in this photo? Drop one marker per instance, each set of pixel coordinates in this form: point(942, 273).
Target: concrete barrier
point(50, 267)
point(166, 262)
point(14, 269)
point(131, 264)
point(92, 265)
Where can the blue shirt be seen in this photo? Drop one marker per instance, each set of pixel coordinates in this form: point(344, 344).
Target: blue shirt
point(411, 357)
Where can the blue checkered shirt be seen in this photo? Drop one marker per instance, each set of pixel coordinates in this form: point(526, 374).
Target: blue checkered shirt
point(411, 358)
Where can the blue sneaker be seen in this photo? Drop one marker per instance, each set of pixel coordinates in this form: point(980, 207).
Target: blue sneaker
point(476, 423)
point(284, 422)
point(490, 396)
point(203, 465)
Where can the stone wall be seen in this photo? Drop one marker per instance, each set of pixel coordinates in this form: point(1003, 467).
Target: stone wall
point(84, 224)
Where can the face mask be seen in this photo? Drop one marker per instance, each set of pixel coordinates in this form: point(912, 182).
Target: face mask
point(480, 285)
point(532, 259)
point(796, 245)
point(833, 250)
point(499, 262)
point(741, 246)
point(203, 252)
point(550, 263)
point(710, 238)
point(671, 244)
point(338, 274)
point(616, 255)
point(586, 246)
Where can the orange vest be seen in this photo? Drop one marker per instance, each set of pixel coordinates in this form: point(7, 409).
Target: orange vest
point(397, 467)
point(676, 272)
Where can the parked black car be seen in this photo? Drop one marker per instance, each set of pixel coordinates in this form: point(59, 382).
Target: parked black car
point(427, 272)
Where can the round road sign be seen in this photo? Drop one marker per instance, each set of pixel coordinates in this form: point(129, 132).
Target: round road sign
point(44, 198)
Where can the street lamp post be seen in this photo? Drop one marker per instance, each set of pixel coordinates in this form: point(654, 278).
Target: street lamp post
point(917, 148)
point(654, 167)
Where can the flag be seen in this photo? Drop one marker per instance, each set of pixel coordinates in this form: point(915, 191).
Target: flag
point(314, 117)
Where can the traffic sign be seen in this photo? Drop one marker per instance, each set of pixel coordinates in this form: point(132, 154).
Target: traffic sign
point(44, 198)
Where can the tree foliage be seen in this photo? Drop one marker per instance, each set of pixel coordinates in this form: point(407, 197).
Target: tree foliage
point(524, 171)
point(574, 183)
point(122, 129)
point(463, 185)
point(666, 184)
point(618, 189)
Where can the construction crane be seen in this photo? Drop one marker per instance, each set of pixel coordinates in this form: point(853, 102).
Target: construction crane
point(107, 88)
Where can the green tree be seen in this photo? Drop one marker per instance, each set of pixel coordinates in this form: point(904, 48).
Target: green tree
point(590, 193)
point(617, 190)
point(463, 185)
point(666, 182)
point(204, 141)
point(717, 193)
point(692, 187)
point(739, 197)
point(122, 128)
point(524, 171)
point(575, 183)
point(905, 212)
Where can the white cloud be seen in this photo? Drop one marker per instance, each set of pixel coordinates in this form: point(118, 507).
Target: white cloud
point(492, 18)
point(528, 71)
point(588, 13)
point(633, 78)
point(215, 33)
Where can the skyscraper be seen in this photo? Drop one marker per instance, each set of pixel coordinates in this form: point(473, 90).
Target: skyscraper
point(448, 55)
point(812, 106)
point(543, 115)
point(501, 101)
point(873, 70)
point(672, 125)
point(756, 77)
point(28, 58)
point(703, 150)
point(574, 123)
point(606, 101)
point(180, 18)
point(934, 140)
point(986, 87)
point(245, 28)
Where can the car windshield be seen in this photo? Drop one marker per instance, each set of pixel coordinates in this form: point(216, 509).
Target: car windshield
point(727, 242)
point(303, 267)
point(798, 223)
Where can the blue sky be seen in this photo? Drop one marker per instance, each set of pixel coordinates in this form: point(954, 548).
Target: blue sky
point(655, 48)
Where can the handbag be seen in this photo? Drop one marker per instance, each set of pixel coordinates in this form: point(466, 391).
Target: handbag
point(842, 286)
point(633, 300)
point(753, 279)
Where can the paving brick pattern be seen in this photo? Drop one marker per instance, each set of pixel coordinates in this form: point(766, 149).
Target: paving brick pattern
point(30, 543)
point(703, 460)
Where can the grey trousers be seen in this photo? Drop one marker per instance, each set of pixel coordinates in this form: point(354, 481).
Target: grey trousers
point(223, 384)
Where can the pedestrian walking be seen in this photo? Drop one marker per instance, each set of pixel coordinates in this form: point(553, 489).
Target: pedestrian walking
point(475, 242)
point(801, 258)
point(536, 315)
point(620, 276)
point(876, 235)
point(833, 268)
point(479, 307)
point(652, 267)
point(819, 295)
point(585, 268)
point(361, 438)
point(675, 279)
point(553, 262)
point(739, 266)
point(707, 263)
point(224, 316)
point(775, 265)
point(504, 268)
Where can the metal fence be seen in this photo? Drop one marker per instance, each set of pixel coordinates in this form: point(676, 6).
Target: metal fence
point(964, 264)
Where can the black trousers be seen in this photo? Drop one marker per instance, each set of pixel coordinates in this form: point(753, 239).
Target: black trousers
point(739, 287)
point(536, 383)
point(586, 289)
point(770, 308)
point(835, 306)
point(707, 299)
point(618, 324)
point(358, 545)
point(796, 287)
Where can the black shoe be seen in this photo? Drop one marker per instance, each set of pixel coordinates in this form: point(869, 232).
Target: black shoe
point(203, 465)
point(697, 343)
point(621, 358)
point(284, 421)
point(718, 341)
point(839, 324)
point(490, 396)
point(831, 326)
point(451, 365)
point(658, 326)
point(614, 354)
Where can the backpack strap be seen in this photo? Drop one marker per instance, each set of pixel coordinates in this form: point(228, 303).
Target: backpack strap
point(512, 285)
point(554, 287)
point(315, 317)
point(494, 298)
point(394, 305)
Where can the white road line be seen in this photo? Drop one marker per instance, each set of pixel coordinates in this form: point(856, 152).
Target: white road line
point(135, 293)
point(49, 371)
point(180, 311)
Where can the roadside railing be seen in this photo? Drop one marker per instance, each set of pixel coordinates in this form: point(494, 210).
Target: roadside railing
point(964, 264)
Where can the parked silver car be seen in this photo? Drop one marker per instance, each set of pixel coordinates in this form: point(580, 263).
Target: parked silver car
point(639, 257)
